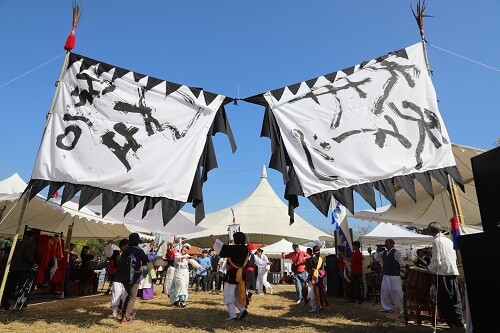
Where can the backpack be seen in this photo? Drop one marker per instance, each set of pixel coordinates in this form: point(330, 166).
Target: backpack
point(125, 268)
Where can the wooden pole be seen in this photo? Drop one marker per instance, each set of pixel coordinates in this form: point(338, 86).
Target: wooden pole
point(14, 241)
point(28, 191)
point(68, 235)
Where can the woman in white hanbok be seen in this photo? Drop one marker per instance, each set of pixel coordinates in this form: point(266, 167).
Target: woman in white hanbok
point(179, 292)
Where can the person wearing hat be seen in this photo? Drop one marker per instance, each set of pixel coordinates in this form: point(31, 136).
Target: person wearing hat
point(137, 259)
point(180, 282)
point(299, 259)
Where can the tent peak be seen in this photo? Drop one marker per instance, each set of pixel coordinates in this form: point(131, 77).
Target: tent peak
point(264, 172)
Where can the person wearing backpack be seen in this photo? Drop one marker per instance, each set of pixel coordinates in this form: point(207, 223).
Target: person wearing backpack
point(129, 272)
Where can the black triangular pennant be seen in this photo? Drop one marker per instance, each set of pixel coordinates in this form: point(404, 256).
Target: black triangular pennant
point(310, 83)
point(149, 204)
point(321, 201)
point(278, 93)
point(294, 88)
point(408, 185)
point(457, 177)
point(345, 196)
point(425, 180)
point(196, 91)
point(386, 188)
point(133, 200)
point(440, 175)
point(73, 57)
point(170, 208)
point(69, 192)
point(53, 188)
point(119, 73)
point(366, 192)
point(349, 70)
point(209, 97)
point(88, 194)
point(138, 76)
point(109, 200)
point(171, 87)
point(152, 82)
point(36, 186)
point(331, 77)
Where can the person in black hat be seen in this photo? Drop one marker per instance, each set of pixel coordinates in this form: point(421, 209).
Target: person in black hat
point(137, 259)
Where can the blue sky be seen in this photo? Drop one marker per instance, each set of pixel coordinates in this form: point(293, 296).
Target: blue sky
point(239, 49)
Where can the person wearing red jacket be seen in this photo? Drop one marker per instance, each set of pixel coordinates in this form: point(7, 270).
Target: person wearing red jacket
point(299, 259)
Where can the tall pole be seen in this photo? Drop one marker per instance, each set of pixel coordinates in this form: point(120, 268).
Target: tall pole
point(70, 43)
point(454, 198)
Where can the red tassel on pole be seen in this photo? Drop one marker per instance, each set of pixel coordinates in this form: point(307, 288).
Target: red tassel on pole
point(71, 40)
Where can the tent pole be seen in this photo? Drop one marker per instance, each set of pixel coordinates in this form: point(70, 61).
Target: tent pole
point(14, 241)
point(69, 234)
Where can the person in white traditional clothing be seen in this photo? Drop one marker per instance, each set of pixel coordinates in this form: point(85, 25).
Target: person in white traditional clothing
point(235, 295)
point(170, 260)
point(444, 265)
point(179, 294)
point(391, 291)
point(263, 267)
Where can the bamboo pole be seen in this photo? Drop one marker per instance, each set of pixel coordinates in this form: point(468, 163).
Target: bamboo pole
point(14, 241)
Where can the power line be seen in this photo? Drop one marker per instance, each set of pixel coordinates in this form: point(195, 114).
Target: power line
point(463, 57)
point(32, 70)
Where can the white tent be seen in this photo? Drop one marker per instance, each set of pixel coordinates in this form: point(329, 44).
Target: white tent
point(50, 216)
point(426, 209)
point(262, 216)
point(181, 223)
point(274, 250)
point(401, 236)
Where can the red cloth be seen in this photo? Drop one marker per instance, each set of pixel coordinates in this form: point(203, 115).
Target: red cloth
point(357, 262)
point(62, 266)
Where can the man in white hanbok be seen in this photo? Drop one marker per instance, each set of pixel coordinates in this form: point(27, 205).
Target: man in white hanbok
point(263, 267)
point(391, 291)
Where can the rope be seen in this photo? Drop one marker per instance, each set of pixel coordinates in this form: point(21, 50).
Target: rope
point(32, 70)
point(463, 57)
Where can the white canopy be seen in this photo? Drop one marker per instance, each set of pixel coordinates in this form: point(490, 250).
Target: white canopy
point(50, 216)
point(262, 216)
point(275, 250)
point(426, 209)
point(401, 236)
point(181, 223)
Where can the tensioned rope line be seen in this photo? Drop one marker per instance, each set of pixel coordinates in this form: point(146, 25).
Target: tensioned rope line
point(32, 70)
point(463, 57)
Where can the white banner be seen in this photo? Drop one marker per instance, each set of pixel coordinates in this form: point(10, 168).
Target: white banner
point(366, 123)
point(126, 132)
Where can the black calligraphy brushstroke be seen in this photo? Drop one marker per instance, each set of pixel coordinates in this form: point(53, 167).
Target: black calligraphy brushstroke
point(382, 133)
point(143, 110)
point(300, 136)
point(90, 80)
point(186, 97)
point(347, 134)
point(393, 68)
point(77, 132)
point(68, 117)
point(110, 88)
point(325, 145)
point(83, 95)
point(424, 128)
point(119, 151)
point(331, 90)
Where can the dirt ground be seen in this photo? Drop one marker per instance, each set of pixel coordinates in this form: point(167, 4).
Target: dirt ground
point(205, 313)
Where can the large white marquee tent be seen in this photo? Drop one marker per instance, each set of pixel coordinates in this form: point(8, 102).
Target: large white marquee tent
point(262, 216)
point(400, 236)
